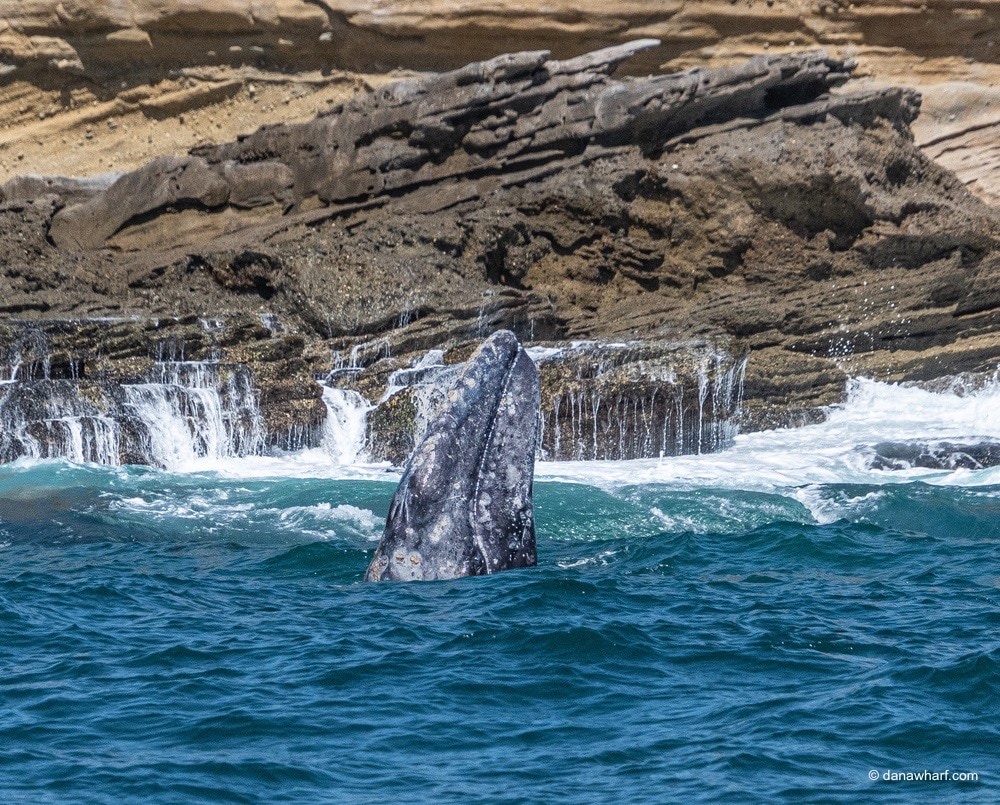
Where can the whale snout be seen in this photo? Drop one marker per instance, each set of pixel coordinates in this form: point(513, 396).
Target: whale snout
point(463, 506)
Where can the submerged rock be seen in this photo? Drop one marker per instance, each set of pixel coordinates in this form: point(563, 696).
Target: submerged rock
point(934, 455)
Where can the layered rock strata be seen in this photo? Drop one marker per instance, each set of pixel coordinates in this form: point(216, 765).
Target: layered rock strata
point(749, 236)
point(505, 116)
point(126, 81)
point(90, 35)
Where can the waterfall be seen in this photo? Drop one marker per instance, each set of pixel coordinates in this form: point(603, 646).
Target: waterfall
point(623, 401)
point(49, 419)
point(83, 439)
point(345, 426)
point(194, 409)
point(182, 411)
point(599, 401)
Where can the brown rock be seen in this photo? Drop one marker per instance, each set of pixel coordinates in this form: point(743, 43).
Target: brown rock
point(163, 182)
point(91, 43)
point(491, 118)
point(697, 218)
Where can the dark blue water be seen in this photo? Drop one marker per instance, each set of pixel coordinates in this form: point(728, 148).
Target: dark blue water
point(183, 638)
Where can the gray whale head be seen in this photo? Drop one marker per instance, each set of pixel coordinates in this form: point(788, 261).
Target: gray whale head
point(463, 506)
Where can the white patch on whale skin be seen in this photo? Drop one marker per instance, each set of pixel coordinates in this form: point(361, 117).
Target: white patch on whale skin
point(438, 531)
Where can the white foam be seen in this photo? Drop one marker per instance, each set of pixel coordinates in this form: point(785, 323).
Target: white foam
point(539, 354)
point(675, 522)
point(775, 460)
point(344, 429)
point(298, 518)
point(603, 558)
point(823, 453)
point(825, 508)
point(211, 509)
point(190, 507)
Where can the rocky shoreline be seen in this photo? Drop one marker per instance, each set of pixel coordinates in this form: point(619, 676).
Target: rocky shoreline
point(687, 253)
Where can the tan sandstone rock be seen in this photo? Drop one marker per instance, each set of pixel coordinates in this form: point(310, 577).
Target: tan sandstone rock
point(98, 48)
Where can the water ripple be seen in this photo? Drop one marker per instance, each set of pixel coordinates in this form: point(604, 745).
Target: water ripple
point(182, 639)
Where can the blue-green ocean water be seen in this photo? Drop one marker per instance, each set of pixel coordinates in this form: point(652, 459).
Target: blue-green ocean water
point(192, 637)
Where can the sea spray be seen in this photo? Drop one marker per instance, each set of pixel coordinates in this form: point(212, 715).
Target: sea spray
point(344, 429)
point(837, 450)
point(194, 409)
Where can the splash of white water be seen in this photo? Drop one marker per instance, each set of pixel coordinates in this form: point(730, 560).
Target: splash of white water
point(344, 429)
point(189, 413)
point(787, 459)
point(58, 425)
point(833, 451)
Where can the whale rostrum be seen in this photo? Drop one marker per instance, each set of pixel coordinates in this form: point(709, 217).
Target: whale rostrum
point(463, 506)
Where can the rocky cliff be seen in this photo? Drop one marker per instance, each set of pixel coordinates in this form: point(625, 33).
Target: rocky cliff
point(686, 253)
point(371, 35)
point(92, 86)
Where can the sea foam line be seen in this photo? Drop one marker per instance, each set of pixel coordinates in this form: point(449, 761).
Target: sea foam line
point(828, 452)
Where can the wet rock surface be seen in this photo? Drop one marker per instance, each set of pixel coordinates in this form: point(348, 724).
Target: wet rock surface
point(752, 235)
point(934, 455)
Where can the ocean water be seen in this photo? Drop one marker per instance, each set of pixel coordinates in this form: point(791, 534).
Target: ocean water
point(771, 623)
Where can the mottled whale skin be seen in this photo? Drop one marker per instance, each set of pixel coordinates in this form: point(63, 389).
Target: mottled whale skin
point(463, 506)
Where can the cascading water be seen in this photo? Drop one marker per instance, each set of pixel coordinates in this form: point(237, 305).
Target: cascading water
point(599, 401)
point(48, 419)
point(624, 401)
point(408, 406)
point(194, 409)
point(344, 429)
point(184, 410)
point(43, 413)
point(428, 381)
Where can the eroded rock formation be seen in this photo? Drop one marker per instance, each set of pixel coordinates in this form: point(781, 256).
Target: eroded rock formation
point(748, 237)
point(117, 83)
point(504, 117)
point(362, 34)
